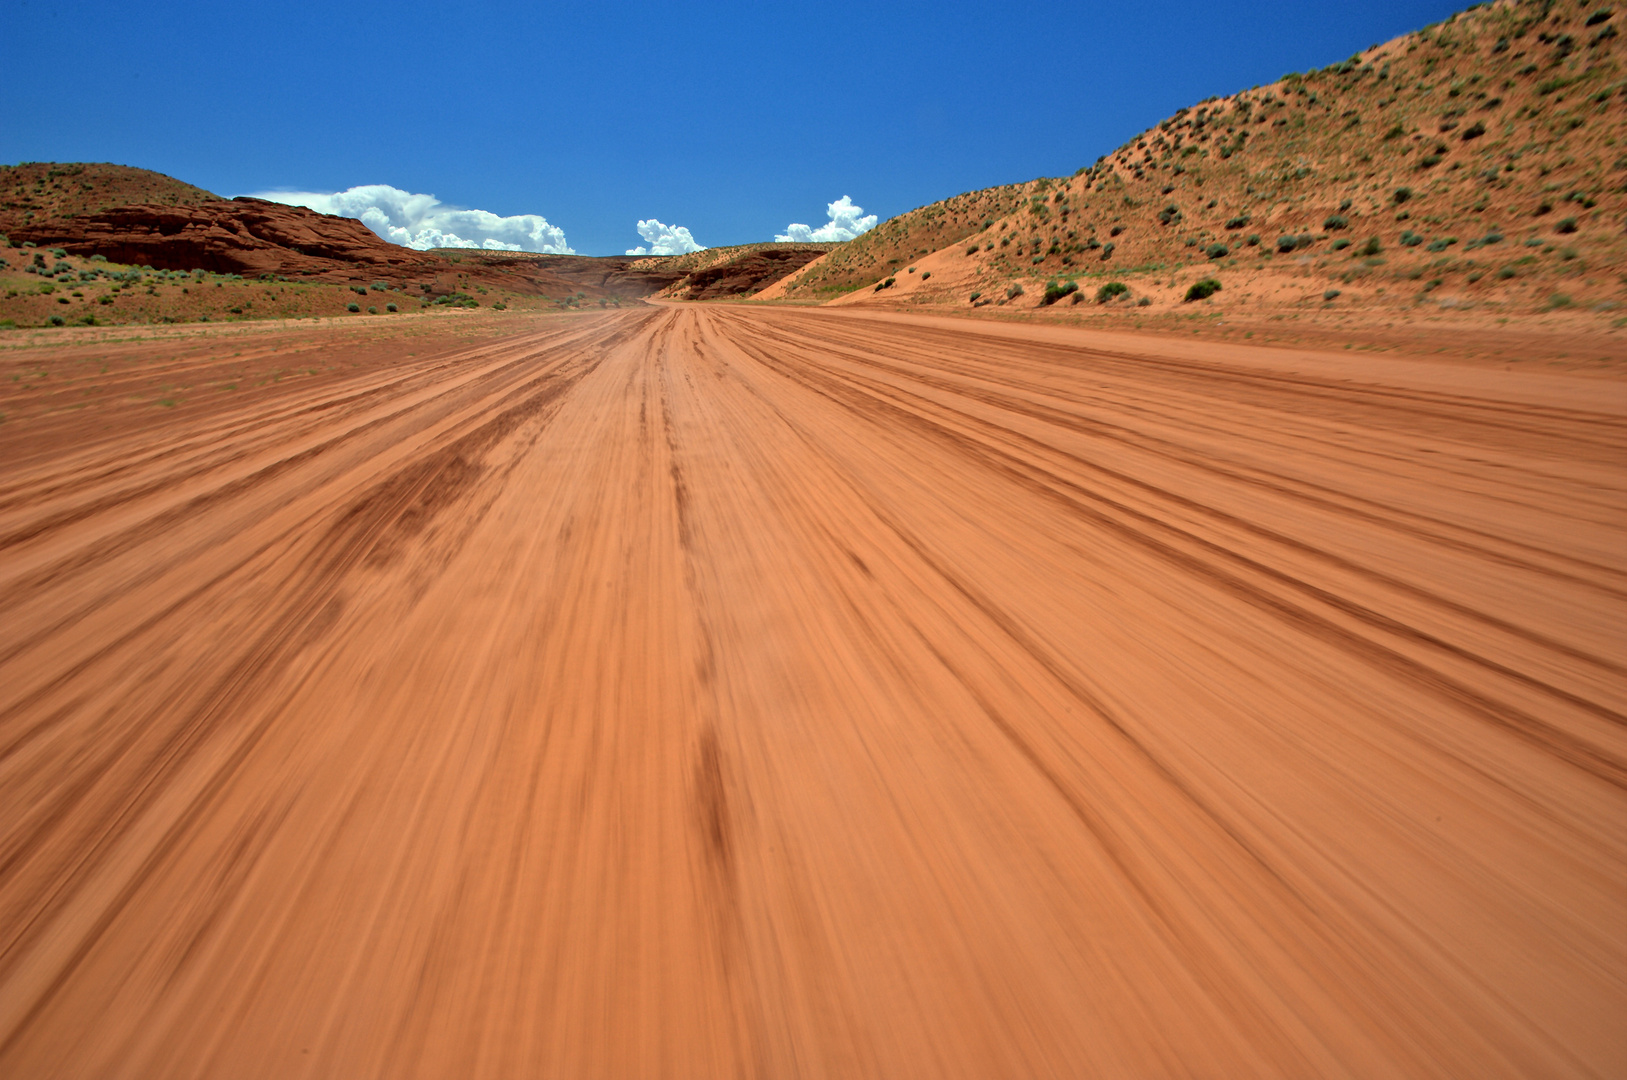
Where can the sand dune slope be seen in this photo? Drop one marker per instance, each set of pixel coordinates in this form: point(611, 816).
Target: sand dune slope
point(713, 692)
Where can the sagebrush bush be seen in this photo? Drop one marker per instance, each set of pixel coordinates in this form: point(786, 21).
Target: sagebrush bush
point(1015, 291)
point(1111, 291)
point(353, 307)
point(1055, 291)
point(1335, 222)
point(1217, 251)
point(1202, 290)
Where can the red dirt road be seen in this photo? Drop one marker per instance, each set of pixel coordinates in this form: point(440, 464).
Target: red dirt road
point(709, 692)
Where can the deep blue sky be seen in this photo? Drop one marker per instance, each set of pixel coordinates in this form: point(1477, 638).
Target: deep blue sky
point(733, 119)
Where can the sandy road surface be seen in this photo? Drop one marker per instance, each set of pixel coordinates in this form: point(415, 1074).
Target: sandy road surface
point(708, 692)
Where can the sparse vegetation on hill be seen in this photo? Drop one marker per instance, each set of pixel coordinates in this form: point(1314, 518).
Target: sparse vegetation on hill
point(709, 257)
point(49, 189)
point(890, 245)
point(1479, 162)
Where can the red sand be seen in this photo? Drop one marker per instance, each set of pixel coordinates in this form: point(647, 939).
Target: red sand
point(714, 692)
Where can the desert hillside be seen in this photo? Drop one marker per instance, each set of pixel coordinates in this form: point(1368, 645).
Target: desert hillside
point(1477, 163)
point(887, 247)
point(67, 189)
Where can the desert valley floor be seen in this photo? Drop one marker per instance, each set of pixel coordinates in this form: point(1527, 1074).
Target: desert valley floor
point(704, 691)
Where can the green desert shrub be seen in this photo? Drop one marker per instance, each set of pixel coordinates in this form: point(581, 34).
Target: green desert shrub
point(1055, 290)
point(1217, 251)
point(372, 311)
point(1402, 194)
point(1335, 222)
point(1015, 291)
point(1340, 244)
point(1202, 290)
point(392, 307)
point(1568, 225)
point(1111, 291)
point(353, 307)
point(56, 320)
point(1331, 294)
point(1411, 239)
point(1369, 249)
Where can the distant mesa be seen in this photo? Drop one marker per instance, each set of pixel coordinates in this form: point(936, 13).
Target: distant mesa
point(176, 226)
point(238, 236)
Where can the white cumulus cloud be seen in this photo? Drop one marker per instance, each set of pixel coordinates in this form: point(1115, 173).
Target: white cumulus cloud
point(423, 221)
point(846, 222)
point(664, 239)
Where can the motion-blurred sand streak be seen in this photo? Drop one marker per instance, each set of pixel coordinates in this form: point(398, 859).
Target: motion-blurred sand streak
point(713, 692)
